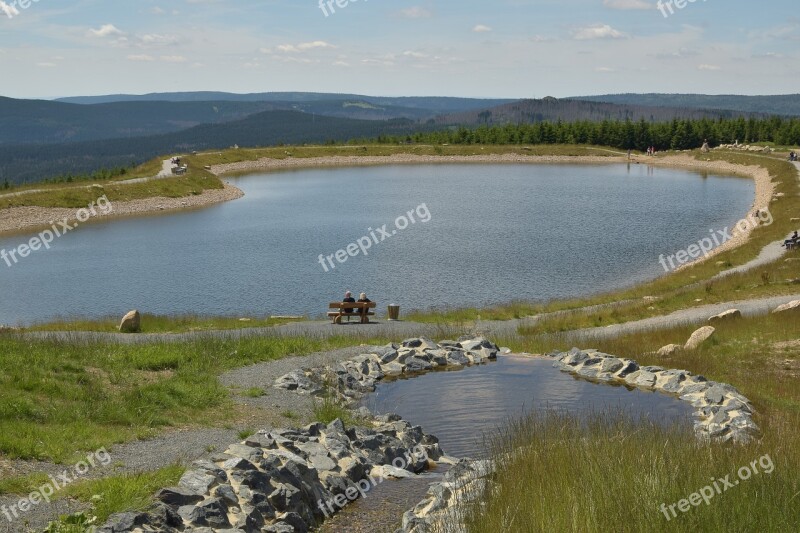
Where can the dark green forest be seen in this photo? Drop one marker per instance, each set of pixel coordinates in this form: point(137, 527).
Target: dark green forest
point(34, 163)
point(674, 135)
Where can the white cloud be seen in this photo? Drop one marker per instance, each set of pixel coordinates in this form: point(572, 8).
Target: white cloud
point(173, 59)
point(628, 4)
point(106, 30)
point(598, 31)
point(140, 57)
point(302, 47)
point(155, 40)
point(605, 69)
point(480, 28)
point(45, 64)
point(680, 53)
point(415, 12)
point(708, 67)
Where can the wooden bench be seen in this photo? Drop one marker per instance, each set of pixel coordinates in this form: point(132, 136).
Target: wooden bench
point(361, 310)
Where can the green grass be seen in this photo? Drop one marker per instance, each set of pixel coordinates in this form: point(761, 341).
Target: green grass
point(164, 324)
point(22, 484)
point(243, 434)
point(79, 195)
point(328, 408)
point(63, 397)
point(612, 474)
point(131, 492)
point(254, 392)
point(750, 353)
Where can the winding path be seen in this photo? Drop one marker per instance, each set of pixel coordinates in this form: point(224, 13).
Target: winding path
point(165, 172)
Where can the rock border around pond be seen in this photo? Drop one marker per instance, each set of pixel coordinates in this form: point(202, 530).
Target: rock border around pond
point(349, 380)
point(287, 480)
point(723, 413)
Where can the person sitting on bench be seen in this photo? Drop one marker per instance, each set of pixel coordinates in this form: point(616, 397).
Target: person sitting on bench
point(348, 299)
point(792, 241)
point(362, 298)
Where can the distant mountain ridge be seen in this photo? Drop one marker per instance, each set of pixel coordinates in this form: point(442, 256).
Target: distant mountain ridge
point(438, 104)
point(112, 117)
point(31, 162)
point(41, 139)
point(569, 110)
point(786, 105)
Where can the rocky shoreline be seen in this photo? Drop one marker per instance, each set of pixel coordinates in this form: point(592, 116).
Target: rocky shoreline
point(764, 194)
point(269, 164)
point(32, 219)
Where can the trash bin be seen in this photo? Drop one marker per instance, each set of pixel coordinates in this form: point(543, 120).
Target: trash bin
point(394, 312)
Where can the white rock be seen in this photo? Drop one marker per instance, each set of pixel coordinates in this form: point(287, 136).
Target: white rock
point(730, 314)
point(794, 305)
point(699, 337)
point(389, 471)
point(669, 350)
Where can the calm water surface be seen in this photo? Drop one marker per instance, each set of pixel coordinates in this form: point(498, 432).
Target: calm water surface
point(461, 407)
point(496, 233)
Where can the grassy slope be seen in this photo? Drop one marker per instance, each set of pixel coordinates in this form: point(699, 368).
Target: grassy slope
point(59, 397)
point(165, 324)
point(613, 475)
point(81, 194)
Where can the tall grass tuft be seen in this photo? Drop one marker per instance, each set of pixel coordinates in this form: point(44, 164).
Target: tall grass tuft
point(556, 473)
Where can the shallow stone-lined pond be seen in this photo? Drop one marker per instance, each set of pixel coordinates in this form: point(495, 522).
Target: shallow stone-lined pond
point(460, 407)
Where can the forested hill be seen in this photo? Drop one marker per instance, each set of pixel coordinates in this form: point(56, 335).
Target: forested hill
point(33, 162)
point(553, 109)
point(434, 104)
point(787, 105)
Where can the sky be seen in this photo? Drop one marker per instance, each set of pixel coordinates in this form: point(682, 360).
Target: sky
point(498, 48)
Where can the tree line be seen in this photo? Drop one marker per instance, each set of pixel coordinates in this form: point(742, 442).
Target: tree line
point(678, 134)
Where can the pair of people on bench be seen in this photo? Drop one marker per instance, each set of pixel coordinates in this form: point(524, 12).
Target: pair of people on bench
point(348, 299)
point(793, 241)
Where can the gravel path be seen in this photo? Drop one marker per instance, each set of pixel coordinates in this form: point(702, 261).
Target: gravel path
point(701, 314)
point(771, 252)
point(166, 172)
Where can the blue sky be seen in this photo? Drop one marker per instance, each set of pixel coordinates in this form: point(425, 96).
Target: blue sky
point(503, 48)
